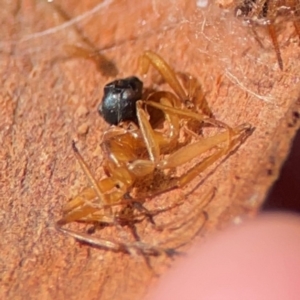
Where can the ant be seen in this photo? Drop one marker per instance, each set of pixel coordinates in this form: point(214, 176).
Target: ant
point(265, 13)
point(138, 152)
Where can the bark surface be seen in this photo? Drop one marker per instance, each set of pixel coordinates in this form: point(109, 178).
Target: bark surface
point(48, 98)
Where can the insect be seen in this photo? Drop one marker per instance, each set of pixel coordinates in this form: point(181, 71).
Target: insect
point(140, 156)
point(267, 13)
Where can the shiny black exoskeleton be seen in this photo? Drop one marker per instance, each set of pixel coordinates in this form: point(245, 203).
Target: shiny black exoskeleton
point(119, 100)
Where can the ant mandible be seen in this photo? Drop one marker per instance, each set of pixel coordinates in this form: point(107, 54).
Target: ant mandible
point(136, 150)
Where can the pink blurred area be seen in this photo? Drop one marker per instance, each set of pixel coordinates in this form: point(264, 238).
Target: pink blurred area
point(258, 260)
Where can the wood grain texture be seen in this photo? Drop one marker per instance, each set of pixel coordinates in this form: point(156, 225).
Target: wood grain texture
point(47, 99)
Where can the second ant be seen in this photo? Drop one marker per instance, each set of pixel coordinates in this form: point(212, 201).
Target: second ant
point(142, 152)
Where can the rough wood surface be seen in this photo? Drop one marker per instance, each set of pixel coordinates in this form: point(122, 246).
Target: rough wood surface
point(47, 99)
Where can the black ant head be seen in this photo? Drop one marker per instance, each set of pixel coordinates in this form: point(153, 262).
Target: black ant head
point(119, 100)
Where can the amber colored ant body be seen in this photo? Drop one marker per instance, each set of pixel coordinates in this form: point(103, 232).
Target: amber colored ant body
point(266, 12)
point(135, 153)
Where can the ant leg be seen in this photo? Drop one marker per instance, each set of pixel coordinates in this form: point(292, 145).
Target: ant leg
point(132, 227)
point(170, 138)
point(85, 207)
point(88, 195)
point(189, 152)
point(154, 140)
point(91, 200)
point(179, 182)
point(134, 248)
point(197, 169)
point(186, 228)
point(195, 94)
point(273, 35)
point(190, 215)
point(147, 133)
point(245, 130)
point(88, 173)
point(157, 96)
point(241, 132)
point(164, 69)
point(136, 204)
point(188, 114)
point(84, 204)
point(196, 148)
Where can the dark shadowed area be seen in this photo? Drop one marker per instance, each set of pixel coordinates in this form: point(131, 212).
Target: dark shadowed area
point(285, 193)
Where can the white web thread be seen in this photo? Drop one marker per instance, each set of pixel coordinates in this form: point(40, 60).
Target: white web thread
point(88, 14)
point(63, 26)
